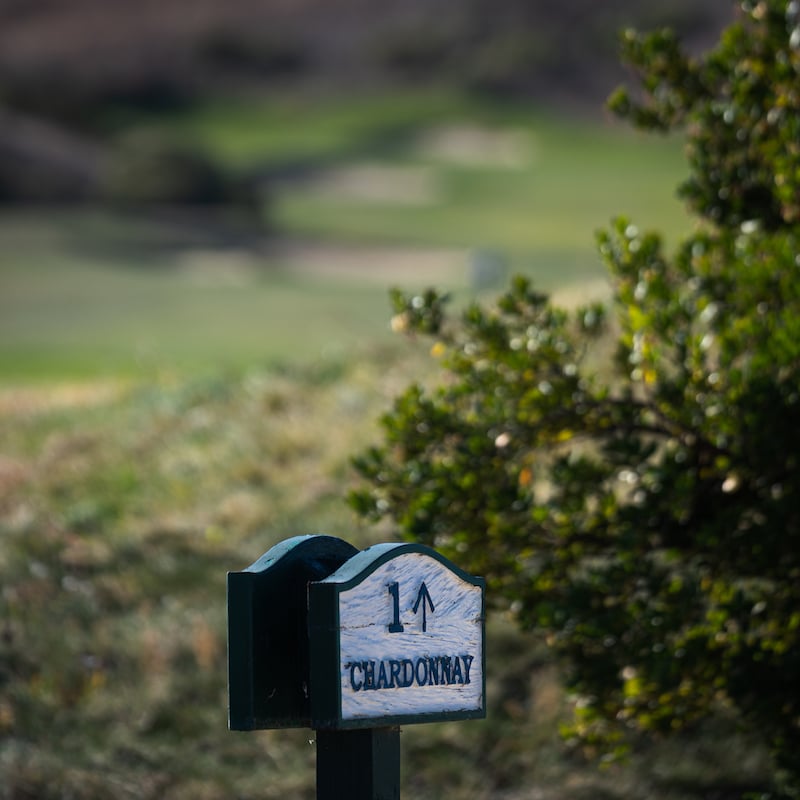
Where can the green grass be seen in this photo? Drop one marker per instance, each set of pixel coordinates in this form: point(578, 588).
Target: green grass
point(288, 127)
point(581, 170)
point(66, 314)
point(89, 293)
point(579, 176)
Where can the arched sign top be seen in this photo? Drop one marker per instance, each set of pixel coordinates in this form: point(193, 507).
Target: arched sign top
point(365, 562)
point(307, 549)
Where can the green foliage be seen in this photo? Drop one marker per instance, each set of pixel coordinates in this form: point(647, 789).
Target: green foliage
point(642, 513)
point(742, 106)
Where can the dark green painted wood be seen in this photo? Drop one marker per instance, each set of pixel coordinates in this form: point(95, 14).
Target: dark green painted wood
point(268, 654)
point(366, 561)
point(323, 634)
point(358, 764)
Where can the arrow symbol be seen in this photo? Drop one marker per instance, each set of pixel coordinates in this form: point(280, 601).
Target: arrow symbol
point(424, 597)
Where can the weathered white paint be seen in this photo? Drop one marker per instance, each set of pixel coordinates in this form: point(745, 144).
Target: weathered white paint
point(454, 628)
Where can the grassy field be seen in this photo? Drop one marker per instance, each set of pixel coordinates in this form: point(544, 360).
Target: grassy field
point(72, 308)
point(122, 509)
point(500, 175)
point(405, 190)
point(173, 402)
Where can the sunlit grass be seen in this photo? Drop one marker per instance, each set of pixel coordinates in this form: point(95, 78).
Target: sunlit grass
point(284, 127)
point(93, 316)
point(88, 294)
point(573, 173)
point(574, 178)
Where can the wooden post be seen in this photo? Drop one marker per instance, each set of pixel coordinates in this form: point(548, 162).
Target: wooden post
point(354, 644)
point(361, 764)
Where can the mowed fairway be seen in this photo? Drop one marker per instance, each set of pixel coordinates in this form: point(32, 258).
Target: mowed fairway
point(64, 314)
point(364, 195)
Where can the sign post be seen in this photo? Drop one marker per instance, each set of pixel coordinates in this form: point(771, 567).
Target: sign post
point(361, 764)
point(395, 636)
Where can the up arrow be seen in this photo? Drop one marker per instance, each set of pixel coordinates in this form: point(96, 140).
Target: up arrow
point(424, 597)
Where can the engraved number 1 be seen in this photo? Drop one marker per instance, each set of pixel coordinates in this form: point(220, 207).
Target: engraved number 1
point(394, 591)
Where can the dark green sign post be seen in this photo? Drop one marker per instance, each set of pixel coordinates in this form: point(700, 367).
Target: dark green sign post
point(354, 644)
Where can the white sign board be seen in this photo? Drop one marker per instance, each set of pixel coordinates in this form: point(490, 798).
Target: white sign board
point(402, 639)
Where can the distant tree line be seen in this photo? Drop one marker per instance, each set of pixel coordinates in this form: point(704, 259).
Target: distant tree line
point(64, 60)
point(65, 67)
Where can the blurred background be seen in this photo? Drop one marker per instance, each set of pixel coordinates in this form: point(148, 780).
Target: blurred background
point(183, 184)
point(203, 206)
